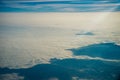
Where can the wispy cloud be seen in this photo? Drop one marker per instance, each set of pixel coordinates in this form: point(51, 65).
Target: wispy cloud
point(58, 5)
point(12, 76)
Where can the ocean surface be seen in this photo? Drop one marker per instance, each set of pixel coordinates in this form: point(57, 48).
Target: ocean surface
point(39, 46)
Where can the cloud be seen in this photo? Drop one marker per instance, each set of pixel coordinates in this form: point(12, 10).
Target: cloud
point(50, 34)
point(12, 76)
point(68, 9)
point(67, 69)
point(85, 33)
point(96, 58)
point(55, 5)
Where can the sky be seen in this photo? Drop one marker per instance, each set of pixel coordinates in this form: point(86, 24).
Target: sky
point(59, 5)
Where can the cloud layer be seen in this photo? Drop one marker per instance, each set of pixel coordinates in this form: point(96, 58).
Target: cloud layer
point(59, 5)
point(35, 38)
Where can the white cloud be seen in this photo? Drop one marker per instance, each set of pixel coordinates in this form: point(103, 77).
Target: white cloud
point(47, 35)
point(59, 7)
point(96, 58)
point(12, 76)
point(68, 9)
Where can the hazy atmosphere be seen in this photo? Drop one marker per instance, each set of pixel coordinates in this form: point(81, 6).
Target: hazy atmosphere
point(59, 40)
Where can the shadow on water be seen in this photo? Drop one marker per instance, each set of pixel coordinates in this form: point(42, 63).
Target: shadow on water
point(42, 72)
point(86, 33)
point(103, 50)
point(67, 69)
point(118, 77)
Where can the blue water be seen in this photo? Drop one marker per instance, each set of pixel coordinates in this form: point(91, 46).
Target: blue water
point(86, 33)
point(103, 50)
point(66, 69)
